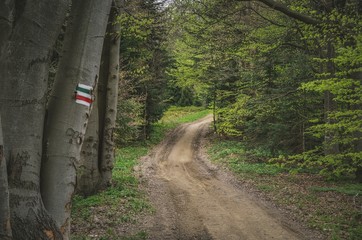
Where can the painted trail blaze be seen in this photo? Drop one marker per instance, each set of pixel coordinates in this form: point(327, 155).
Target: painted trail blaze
point(83, 94)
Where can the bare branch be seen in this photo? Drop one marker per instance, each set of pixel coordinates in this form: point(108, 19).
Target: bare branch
point(267, 19)
point(290, 13)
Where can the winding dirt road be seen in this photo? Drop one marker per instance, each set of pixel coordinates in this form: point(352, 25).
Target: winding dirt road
point(194, 199)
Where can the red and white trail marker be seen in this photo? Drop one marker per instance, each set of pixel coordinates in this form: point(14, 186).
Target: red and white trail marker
point(83, 95)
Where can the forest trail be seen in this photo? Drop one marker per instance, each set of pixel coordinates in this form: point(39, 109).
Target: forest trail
point(194, 199)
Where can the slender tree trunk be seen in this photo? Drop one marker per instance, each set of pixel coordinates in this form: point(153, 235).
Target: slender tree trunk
point(358, 148)
point(330, 105)
point(5, 227)
point(145, 115)
point(102, 90)
point(214, 107)
point(108, 145)
point(88, 175)
point(24, 67)
point(68, 117)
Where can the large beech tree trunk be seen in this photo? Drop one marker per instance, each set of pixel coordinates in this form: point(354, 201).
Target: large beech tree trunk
point(26, 43)
point(67, 120)
point(90, 154)
point(5, 227)
point(109, 120)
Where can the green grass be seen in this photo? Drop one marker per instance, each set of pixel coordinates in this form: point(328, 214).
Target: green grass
point(339, 228)
point(266, 188)
point(125, 186)
point(349, 189)
point(240, 160)
point(176, 115)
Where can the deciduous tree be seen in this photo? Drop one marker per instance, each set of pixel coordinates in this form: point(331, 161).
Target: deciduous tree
point(70, 106)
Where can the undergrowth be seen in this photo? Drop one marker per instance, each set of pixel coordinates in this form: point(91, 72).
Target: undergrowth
point(240, 160)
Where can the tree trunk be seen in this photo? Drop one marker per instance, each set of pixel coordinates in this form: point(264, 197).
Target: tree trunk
point(24, 67)
point(214, 108)
point(68, 114)
point(102, 89)
point(330, 105)
point(108, 146)
point(6, 22)
point(5, 227)
point(88, 175)
point(289, 12)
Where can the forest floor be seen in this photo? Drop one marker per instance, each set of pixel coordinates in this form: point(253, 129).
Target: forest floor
point(177, 192)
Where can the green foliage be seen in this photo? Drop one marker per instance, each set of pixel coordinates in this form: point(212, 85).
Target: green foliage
point(129, 118)
point(176, 115)
point(331, 165)
point(340, 131)
point(349, 189)
point(241, 160)
point(143, 86)
point(252, 84)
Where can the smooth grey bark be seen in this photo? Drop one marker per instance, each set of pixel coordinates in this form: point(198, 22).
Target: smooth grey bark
point(88, 175)
point(102, 86)
point(5, 227)
point(107, 155)
point(24, 67)
point(6, 22)
point(67, 120)
point(97, 153)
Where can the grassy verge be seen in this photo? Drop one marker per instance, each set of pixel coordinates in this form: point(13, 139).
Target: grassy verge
point(109, 214)
point(334, 208)
point(100, 216)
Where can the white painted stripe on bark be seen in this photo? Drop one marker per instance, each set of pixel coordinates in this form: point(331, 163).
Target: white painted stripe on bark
point(85, 86)
point(82, 102)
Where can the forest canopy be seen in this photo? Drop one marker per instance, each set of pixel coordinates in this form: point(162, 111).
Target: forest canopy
point(284, 77)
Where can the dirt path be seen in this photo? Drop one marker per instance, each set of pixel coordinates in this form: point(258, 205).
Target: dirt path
point(196, 200)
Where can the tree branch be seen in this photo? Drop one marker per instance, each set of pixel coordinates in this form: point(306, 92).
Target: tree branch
point(266, 19)
point(290, 13)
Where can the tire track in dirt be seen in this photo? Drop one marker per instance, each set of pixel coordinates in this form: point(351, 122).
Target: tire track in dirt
point(195, 200)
